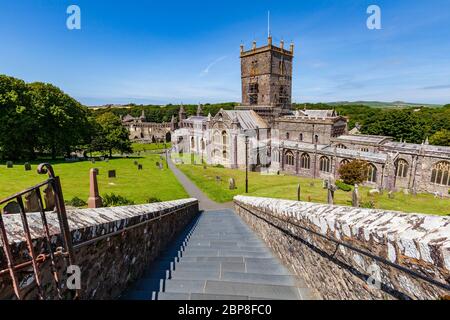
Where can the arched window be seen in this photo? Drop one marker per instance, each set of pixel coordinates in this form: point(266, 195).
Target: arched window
point(441, 173)
point(316, 139)
point(217, 137)
point(225, 154)
point(401, 168)
point(305, 161)
point(192, 142)
point(216, 153)
point(325, 164)
point(341, 146)
point(287, 135)
point(300, 137)
point(365, 149)
point(224, 138)
point(344, 162)
point(289, 158)
point(371, 173)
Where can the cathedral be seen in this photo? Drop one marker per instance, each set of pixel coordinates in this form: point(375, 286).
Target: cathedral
point(272, 138)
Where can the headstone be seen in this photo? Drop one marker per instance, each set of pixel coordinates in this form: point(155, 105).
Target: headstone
point(94, 200)
point(406, 192)
point(27, 166)
point(391, 194)
point(309, 199)
point(135, 162)
point(139, 166)
point(218, 179)
point(31, 202)
point(49, 198)
point(331, 189)
point(111, 173)
point(11, 207)
point(374, 192)
point(355, 197)
point(298, 192)
point(157, 163)
point(9, 164)
point(232, 184)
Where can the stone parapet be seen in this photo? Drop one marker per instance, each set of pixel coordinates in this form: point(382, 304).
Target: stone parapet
point(354, 253)
point(112, 246)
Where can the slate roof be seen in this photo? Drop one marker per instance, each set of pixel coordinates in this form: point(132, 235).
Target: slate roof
point(361, 138)
point(248, 119)
point(318, 113)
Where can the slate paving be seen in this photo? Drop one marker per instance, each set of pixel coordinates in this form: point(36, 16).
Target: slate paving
point(218, 258)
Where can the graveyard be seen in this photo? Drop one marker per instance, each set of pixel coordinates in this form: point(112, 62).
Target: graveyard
point(138, 186)
point(214, 182)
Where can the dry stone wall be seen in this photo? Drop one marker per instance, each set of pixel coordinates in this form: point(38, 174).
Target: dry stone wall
point(353, 253)
point(108, 264)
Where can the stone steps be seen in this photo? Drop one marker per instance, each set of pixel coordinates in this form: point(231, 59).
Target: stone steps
point(218, 258)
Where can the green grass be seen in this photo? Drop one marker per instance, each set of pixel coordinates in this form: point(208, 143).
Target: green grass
point(131, 183)
point(142, 147)
point(285, 187)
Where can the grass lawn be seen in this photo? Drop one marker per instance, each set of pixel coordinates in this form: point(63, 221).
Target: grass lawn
point(130, 182)
point(285, 187)
point(142, 147)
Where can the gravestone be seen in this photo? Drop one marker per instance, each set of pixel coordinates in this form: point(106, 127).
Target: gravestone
point(139, 166)
point(27, 166)
point(298, 192)
point(135, 163)
point(94, 200)
point(9, 164)
point(232, 184)
point(391, 195)
point(355, 197)
point(331, 188)
point(11, 207)
point(218, 179)
point(111, 173)
point(157, 163)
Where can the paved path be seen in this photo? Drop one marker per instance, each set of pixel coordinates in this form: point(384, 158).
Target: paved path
point(204, 202)
point(216, 257)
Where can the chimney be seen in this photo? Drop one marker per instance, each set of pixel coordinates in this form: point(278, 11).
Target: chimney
point(282, 44)
point(254, 45)
point(291, 48)
point(242, 48)
point(269, 40)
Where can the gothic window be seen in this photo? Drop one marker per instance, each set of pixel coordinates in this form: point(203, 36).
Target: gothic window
point(341, 146)
point(344, 162)
point(300, 137)
point(287, 135)
point(289, 158)
point(203, 144)
point(305, 161)
point(325, 165)
point(224, 155)
point(224, 138)
point(192, 142)
point(365, 149)
point(253, 93)
point(441, 173)
point(316, 139)
point(401, 168)
point(217, 137)
point(371, 173)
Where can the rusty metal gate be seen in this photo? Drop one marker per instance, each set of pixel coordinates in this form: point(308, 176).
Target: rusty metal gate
point(32, 200)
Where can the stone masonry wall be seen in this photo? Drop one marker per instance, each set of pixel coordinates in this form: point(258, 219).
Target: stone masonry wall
point(108, 264)
point(417, 242)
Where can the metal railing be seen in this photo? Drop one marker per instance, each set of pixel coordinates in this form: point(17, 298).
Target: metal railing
point(53, 202)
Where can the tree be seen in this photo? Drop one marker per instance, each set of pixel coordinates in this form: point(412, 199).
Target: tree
point(354, 172)
point(441, 138)
point(62, 121)
point(17, 118)
point(111, 134)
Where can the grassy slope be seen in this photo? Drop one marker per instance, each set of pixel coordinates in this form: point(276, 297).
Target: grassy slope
point(285, 187)
point(130, 183)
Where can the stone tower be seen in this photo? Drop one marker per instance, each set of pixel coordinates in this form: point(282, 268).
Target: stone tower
point(266, 74)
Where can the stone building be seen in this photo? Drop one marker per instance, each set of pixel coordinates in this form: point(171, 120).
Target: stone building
point(143, 131)
point(307, 143)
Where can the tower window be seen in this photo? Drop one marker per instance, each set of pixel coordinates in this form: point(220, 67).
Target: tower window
point(253, 93)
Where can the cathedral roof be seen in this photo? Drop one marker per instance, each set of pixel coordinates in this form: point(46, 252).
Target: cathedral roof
point(248, 119)
point(128, 118)
point(318, 113)
point(361, 138)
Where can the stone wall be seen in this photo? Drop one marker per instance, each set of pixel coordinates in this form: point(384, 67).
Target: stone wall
point(108, 264)
point(306, 238)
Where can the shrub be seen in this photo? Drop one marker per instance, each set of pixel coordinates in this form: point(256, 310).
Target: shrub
point(112, 200)
point(343, 186)
point(76, 202)
point(354, 172)
point(219, 166)
point(153, 200)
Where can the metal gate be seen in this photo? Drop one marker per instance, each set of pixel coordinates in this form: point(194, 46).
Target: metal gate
point(42, 198)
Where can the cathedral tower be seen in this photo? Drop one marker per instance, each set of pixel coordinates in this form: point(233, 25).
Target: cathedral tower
point(266, 74)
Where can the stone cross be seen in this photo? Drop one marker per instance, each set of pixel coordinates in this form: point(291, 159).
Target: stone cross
point(94, 200)
point(355, 197)
point(331, 189)
point(111, 173)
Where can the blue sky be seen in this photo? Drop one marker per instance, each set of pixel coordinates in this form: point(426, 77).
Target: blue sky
point(188, 51)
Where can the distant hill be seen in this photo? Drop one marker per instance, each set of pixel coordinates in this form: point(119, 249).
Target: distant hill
point(379, 104)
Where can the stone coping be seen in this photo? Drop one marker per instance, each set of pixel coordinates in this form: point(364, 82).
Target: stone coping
point(100, 221)
point(413, 238)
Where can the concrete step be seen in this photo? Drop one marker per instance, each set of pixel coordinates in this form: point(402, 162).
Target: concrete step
point(212, 259)
point(185, 286)
point(206, 296)
point(173, 296)
point(275, 292)
point(196, 275)
point(258, 278)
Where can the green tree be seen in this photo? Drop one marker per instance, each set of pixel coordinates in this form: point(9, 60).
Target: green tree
point(112, 135)
point(354, 172)
point(17, 118)
point(63, 124)
point(441, 138)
